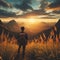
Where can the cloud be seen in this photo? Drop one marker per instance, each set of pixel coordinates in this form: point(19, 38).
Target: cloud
point(24, 5)
point(55, 5)
point(44, 4)
point(27, 1)
point(8, 10)
point(56, 11)
point(33, 14)
point(4, 13)
point(23, 8)
point(3, 3)
point(48, 17)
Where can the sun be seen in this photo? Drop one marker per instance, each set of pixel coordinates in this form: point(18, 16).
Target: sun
point(32, 20)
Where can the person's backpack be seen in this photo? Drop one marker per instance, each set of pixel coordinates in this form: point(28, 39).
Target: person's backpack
point(22, 38)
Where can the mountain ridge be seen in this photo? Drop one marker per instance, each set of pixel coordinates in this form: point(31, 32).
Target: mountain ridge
point(55, 28)
point(13, 26)
point(46, 32)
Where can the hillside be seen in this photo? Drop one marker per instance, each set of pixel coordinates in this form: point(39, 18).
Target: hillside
point(12, 26)
point(46, 33)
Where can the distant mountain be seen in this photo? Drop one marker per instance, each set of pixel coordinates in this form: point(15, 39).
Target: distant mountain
point(1, 23)
point(12, 26)
point(47, 31)
point(1, 27)
point(6, 32)
point(58, 25)
point(36, 30)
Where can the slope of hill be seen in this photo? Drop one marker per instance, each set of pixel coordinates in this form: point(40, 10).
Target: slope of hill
point(6, 32)
point(12, 26)
point(46, 33)
point(58, 25)
point(1, 22)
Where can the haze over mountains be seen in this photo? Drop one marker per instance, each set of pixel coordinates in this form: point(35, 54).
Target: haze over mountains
point(31, 29)
point(46, 33)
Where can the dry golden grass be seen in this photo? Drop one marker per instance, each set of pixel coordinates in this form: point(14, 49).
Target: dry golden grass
point(34, 50)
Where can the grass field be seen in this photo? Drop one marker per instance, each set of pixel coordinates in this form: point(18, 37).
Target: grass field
point(34, 50)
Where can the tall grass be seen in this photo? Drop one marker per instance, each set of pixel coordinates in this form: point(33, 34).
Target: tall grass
point(35, 50)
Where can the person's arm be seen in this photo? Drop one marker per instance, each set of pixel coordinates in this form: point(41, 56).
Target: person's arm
point(26, 36)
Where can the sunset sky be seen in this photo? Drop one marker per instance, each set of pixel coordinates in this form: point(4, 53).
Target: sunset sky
point(30, 10)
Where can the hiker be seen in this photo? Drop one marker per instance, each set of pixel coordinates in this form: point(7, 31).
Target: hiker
point(22, 41)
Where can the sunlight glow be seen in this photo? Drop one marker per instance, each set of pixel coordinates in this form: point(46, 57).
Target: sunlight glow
point(32, 20)
point(29, 20)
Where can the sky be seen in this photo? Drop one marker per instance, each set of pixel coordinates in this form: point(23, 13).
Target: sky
point(38, 9)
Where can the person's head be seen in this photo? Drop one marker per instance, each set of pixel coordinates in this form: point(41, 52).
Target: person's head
point(22, 29)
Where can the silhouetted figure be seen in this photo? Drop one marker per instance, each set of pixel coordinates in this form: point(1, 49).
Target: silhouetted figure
point(22, 41)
